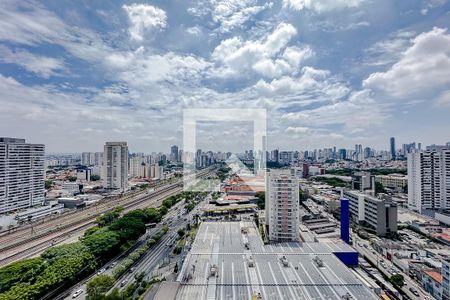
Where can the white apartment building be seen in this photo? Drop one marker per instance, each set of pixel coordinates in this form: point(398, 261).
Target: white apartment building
point(91, 158)
point(282, 205)
point(115, 165)
point(22, 174)
point(429, 180)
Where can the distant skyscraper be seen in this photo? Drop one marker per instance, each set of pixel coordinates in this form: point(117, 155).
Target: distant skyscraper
point(429, 179)
point(22, 174)
point(282, 205)
point(393, 155)
point(115, 165)
point(174, 153)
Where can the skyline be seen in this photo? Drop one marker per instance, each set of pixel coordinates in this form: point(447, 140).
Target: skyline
point(75, 75)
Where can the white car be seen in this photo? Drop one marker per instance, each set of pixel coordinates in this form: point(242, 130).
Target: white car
point(101, 271)
point(77, 293)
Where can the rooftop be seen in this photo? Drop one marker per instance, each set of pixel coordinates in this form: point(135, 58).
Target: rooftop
point(436, 276)
point(220, 266)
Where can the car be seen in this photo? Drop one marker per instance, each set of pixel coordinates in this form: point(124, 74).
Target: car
point(113, 264)
point(102, 270)
point(414, 291)
point(77, 293)
point(123, 283)
point(131, 269)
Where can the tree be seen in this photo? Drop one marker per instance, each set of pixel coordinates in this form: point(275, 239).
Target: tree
point(261, 202)
point(397, 280)
point(181, 232)
point(72, 178)
point(98, 286)
point(48, 184)
point(102, 243)
point(379, 188)
point(95, 177)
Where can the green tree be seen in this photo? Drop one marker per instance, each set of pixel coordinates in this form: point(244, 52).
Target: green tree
point(98, 286)
point(261, 202)
point(72, 178)
point(95, 177)
point(181, 232)
point(48, 184)
point(397, 280)
point(102, 243)
point(379, 188)
point(109, 217)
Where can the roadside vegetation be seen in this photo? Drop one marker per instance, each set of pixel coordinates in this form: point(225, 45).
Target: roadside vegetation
point(61, 266)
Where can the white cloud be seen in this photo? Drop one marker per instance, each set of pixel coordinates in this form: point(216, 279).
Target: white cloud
point(422, 68)
point(321, 5)
point(444, 98)
point(311, 85)
point(42, 66)
point(389, 50)
point(233, 13)
point(268, 56)
point(297, 130)
point(144, 18)
point(358, 111)
point(228, 14)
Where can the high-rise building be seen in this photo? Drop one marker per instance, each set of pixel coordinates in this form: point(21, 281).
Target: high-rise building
point(22, 174)
point(429, 179)
point(379, 214)
point(137, 167)
point(174, 153)
point(393, 155)
point(282, 205)
point(115, 165)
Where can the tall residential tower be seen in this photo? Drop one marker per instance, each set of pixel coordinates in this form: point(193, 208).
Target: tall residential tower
point(282, 205)
point(22, 174)
point(429, 179)
point(115, 165)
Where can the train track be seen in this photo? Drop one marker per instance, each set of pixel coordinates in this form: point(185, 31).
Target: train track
point(84, 223)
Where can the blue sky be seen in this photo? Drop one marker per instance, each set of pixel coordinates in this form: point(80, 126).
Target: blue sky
point(74, 74)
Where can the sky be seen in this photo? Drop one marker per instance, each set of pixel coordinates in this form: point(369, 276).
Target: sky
point(75, 74)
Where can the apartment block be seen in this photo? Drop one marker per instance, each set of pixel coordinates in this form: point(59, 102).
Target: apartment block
point(379, 214)
point(22, 174)
point(282, 205)
point(115, 165)
point(429, 180)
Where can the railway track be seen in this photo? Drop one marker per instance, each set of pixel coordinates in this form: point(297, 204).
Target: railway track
point(82, 224)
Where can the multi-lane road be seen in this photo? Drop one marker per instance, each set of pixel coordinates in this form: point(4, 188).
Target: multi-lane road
point(150, 260)
point(31, 241)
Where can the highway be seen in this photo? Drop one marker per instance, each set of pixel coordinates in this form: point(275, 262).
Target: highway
point(364, 248)
point(29, 242)
point(150, 260)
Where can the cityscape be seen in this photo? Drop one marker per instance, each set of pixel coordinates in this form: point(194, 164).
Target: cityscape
point(222, 149)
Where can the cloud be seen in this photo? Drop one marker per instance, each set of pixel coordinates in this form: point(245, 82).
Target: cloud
point(42, 66)
point(310, 85)
point(268, 56)
point(359, 110)
point(144, 18)
point(234, 13)
point(422, 68)
point(389, 50)
point(321, 6)
point(444, 98)
point(297, 130)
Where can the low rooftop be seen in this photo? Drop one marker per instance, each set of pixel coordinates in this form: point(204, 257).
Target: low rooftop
point(228, 260)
